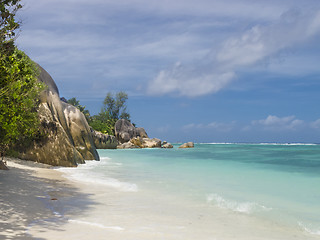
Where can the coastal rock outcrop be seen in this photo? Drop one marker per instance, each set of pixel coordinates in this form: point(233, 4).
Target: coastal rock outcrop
point(129, 136)
point(146, 142)
point(124, 131)
point(104, 141)
point(165, 144)
point(127, 145)
point(68, 138)
point(187, 145)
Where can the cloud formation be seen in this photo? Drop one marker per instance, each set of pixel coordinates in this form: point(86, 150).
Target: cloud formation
point(278, 123)
point(218, 68)
point(216, 126)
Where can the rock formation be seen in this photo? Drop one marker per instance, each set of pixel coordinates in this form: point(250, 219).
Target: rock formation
point(69, 140)
point(129, 136)
point(146, 142)
point(124, 131)
point(187, 145)
point(165, 144)
point(104, 141)
point(127, 145)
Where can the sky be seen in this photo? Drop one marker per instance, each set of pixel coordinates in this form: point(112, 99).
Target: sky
point(194, 70)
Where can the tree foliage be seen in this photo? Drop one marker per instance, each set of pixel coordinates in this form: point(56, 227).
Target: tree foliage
point(19, 88)
point(8, 24)
point(19, 94)
point(114, 108)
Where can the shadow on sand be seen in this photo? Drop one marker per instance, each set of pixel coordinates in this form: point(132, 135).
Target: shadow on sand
point(26, 200)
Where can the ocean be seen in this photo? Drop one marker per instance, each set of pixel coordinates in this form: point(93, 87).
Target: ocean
point(211, 191)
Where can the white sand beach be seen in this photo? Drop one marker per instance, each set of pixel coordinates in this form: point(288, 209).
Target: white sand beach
point(37, 202)
point(33, 194)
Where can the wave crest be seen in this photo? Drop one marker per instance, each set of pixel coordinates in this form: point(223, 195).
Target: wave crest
point(242, 207)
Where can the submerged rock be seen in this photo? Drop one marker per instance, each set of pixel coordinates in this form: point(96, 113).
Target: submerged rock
point(187, 145)
point(69, 140)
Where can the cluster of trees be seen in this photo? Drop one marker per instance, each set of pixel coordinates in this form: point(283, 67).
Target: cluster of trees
point(19, 88)
point(114, 108)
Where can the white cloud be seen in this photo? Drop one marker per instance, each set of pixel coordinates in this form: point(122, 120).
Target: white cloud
point(217, 126)
point(278, 123)
point(138, 40)
point(216, 70)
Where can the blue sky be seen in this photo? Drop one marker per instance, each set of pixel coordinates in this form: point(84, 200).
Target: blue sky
point(203, 71)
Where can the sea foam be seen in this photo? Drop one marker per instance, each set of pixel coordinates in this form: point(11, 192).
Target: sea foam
point(117, 228)
point(242, 207)
point(309, 229)
point(86, 173)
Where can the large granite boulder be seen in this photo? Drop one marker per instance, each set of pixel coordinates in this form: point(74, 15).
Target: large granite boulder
point(104, 141)
point(68, 138)
point(127, 145)
point(187, 145)
point(146, 142)
point(140, 132)
point(124, 131)
point(152, 143)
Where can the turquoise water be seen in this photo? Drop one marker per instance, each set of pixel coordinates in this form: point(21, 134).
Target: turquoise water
point(276, 183)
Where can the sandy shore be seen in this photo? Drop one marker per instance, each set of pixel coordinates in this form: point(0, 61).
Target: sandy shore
point(35, 194)
point(37, 202)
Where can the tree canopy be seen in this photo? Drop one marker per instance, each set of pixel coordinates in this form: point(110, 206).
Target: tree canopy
point(19, 87)
point(19, 94)
point(115, 106)
point(8, 24)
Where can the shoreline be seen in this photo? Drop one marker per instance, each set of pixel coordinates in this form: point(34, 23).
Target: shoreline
point(34, 194)
point(38, 202)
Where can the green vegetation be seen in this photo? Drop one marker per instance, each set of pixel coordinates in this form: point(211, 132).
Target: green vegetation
point(19, 94)
point(8, 25)
point(19, 88)
point(114, 108)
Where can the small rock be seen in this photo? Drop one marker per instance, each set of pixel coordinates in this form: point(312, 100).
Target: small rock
point(167, 145)
point(187, 145)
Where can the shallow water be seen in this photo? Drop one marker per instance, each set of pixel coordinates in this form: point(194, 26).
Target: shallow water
point(213, 191)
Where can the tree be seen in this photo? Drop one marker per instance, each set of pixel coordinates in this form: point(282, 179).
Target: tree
point(19, 88)
point(114, 108)
point(8, 24)
point(19, 94)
